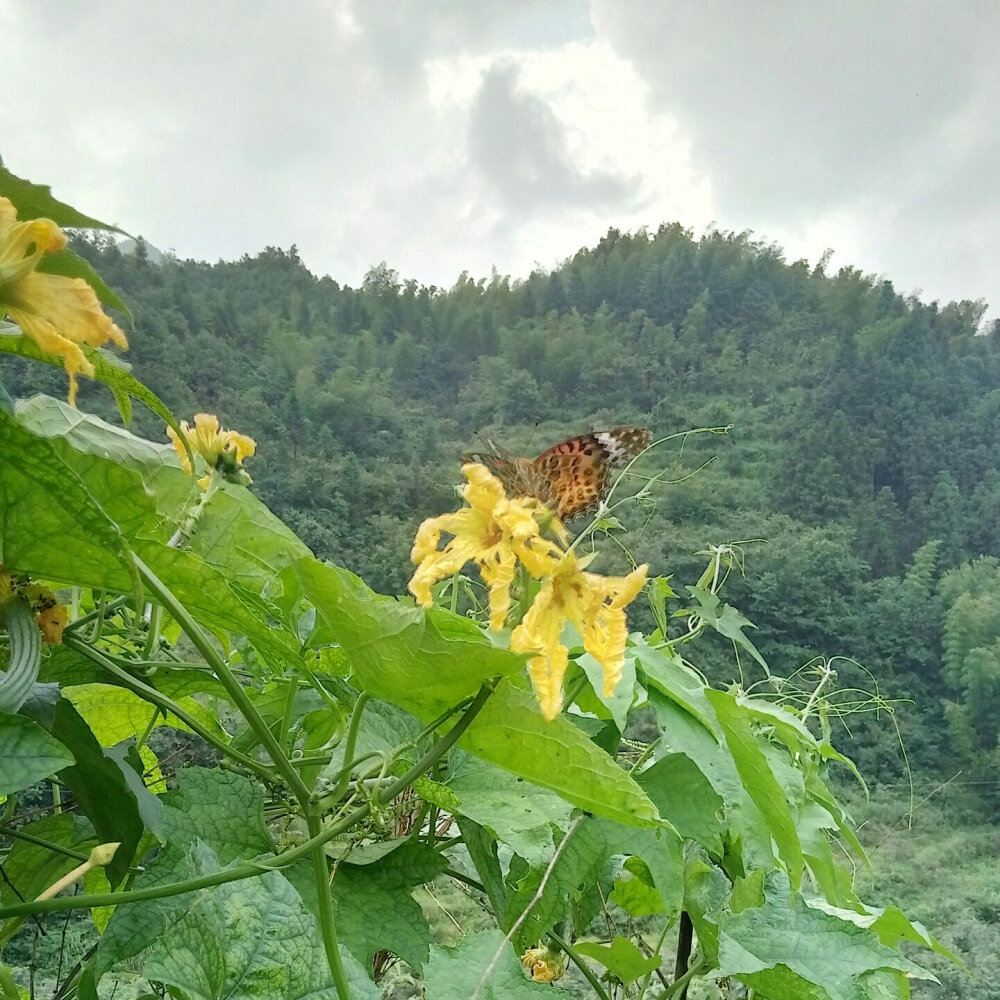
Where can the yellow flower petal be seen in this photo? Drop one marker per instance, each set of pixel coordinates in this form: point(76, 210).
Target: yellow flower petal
point(56, 312)
point(212, 443)
point(492, 532)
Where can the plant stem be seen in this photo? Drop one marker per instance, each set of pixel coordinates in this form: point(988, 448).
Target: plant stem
point(165, 702)
point(286, 718)
point(289, 857)
point(580, 964)
point(350, 743)
point(327, 926)
point(237, 695)
point(685, 937)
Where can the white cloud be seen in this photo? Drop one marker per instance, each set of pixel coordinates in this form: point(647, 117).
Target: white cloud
point(446, 137)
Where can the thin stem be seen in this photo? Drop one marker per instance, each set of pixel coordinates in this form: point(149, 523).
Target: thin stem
point(535, 900)
point(678, 988)
point(152, 632)
point(289, 713)
point(289, 857)
point(327, 926)
point(38, 842)
point(237, 695)
point(163, 701)
point(350, 743)
point(580, 964)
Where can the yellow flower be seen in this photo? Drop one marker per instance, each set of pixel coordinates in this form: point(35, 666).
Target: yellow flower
point(56, 312)
point(491, 531)
point(51, 623)
point(596, 606)
point(546, 966)
point(224, 450)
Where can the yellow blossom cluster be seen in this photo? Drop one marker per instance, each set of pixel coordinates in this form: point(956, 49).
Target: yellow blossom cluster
point(496, 533)
point(221, 449)
point(57, 313)
point(544, 964)
point(50, 616)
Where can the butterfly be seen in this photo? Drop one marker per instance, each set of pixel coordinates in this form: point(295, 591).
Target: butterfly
point(572, 477)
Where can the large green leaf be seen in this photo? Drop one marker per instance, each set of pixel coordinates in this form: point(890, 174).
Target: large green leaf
point(518, 812)
point(423, 661)
point(27, 753)
point(375, 908)
point(212, 819)
point(49, 514)
point(236, 533)
point(821, 948)
point(252, 939)
point(107, 369)
point(100, 789)
point(511, 733)
point(684, 797)
point(35, 201)
point(758, 779)
point(621, 958)
point(665, 671)
point(66, 515)
point(456, 973)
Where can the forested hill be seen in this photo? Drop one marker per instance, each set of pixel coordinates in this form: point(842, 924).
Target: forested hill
point(864, 427)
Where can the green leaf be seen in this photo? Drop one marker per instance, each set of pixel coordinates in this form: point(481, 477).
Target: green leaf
point(107, 369)
point(660, 848)
point(27, 753)
point(890, 924)
point(516, 811)
point(375, 908)
point(511, 733)
point(423, 661)
point(252, 939)
point(46, 507)
point(706, 893)
point(212, 819)
point(685, 798)
point(580, 861)
point(726, 621)
point(758, 779)
point(35, 201)
point(635, 896)
point(666, 672)
point(65, 515)
point(100, 789)
point(822, 949)
point(624, 694)
point(456, 973)
point(31, 868)
point(116, 713)
point(482, 850)
point(223, 809)
point(621, 958)
point(236, 533)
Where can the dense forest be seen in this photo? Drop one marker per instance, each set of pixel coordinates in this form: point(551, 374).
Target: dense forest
point(861, 470)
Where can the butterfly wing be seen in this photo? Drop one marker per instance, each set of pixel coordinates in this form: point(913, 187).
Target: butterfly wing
point(500, 462)
point(577, 473)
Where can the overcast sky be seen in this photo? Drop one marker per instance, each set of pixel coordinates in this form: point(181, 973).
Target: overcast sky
point(445, 137)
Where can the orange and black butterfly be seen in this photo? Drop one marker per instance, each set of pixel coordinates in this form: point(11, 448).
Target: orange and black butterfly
point(572, 477)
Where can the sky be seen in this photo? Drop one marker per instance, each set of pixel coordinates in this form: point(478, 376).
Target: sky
point(445, 137)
